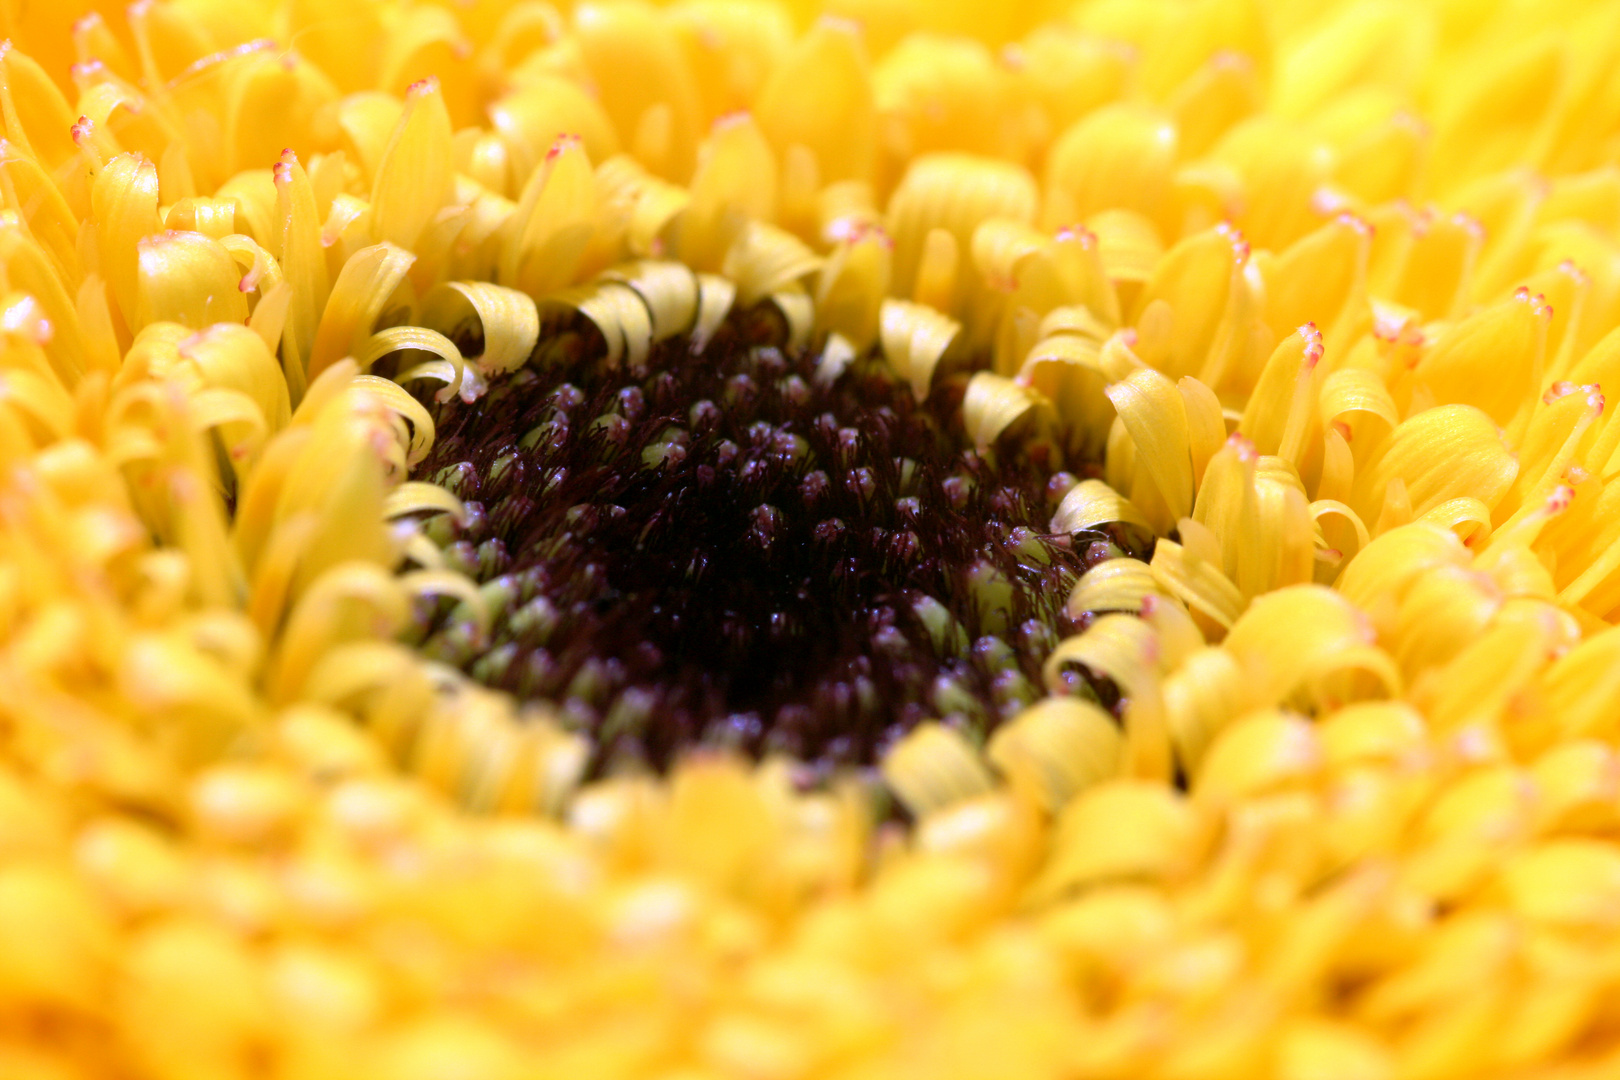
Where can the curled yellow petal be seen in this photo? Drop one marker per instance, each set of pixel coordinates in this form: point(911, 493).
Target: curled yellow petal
point(1130, 651)
point(952, 192)
point(1357, 402)
point(1070, 371)
point(1120, 831)
point(1155, 415)
point(670, 290)
point(341, 605)
point(1377, 578)
point(415, 497)
point(1057, 748)
point(716, 296)
point(1259, 753)
point(915, 339)
point(388, 395)
point(417, 339)
point(1205, 692)
point(1307, 639)
point(1342, 535)
point(1114, 585)
point(636, 203)
point(234, 357)
point(360, 295)
point(765, 259)
point(991, 405)
point(1197, 582)
point(504, 320)
point(934, 767)
point(1092, 503)
point(253, 192)
point(618, 312)
point(211, 217)
point(260, 271)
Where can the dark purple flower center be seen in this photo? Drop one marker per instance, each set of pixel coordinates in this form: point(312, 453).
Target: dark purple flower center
point(717, 548)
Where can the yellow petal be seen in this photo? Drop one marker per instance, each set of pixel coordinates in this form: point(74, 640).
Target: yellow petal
point(303, 264)
point(1114, 585)
point(546, 237)
point(992, 405)
point(643, 81)
point(412, 179)
point(854, 281)
point(915, 338)
point(1206, 692)
point(1492, 360)
point(1279, 416)
point(1057, 748)
point(820, 97)
point(124, 203)
point(187, 278)
point(934, 767)
point(735, 184)
point(506, 321)
point(1377, 579)
point(952, 192)
point(1156, 417)
point(1321, 278)
point(359, 297)
point(1126, 829)
point(764, 260)
point(1308, 640)
point(1198, 583)
point(1202, 287)
point(1441, 454)
point(32, 196)
point(1117, 158)
point(1258, 753)
point(541, 110)
point(1092, 503)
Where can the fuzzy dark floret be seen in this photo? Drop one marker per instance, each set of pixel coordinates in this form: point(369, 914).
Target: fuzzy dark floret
point(716, 548)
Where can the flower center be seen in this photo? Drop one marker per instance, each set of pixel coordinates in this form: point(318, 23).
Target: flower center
point(721, 548)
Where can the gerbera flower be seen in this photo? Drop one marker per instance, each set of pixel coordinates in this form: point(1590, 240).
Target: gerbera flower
point(786, 541)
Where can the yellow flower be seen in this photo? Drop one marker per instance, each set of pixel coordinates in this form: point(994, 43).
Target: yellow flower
point(783, 540)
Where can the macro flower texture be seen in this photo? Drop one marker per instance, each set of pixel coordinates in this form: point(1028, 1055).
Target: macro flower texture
point(809, 540)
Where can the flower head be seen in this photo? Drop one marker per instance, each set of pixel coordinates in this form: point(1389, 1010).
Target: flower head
point(784, 540)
